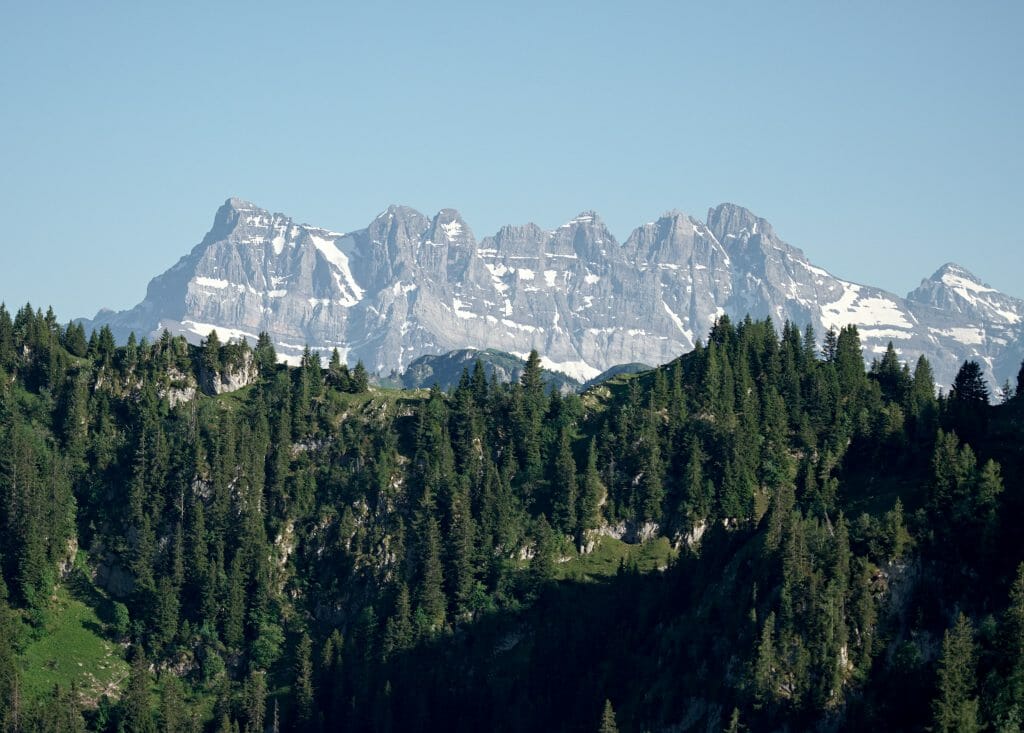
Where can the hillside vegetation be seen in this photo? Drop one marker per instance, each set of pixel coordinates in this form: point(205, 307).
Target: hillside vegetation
point(759, 535)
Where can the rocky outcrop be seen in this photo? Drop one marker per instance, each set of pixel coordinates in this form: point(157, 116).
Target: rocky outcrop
point(231, 377)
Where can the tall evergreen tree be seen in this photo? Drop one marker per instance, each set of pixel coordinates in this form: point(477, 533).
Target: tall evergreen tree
point(138, 715)
point(10, 681)
point(431, 601)
point(360, 378)
point(303, 685)
point(609, 724)
point(563, 490)
point(591, 494)
point(955, 708)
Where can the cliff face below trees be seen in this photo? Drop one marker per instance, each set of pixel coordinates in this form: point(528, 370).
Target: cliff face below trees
point(409, 285)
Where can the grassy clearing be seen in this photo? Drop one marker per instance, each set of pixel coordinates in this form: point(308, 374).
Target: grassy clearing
point(71, 648)
point(611, 553)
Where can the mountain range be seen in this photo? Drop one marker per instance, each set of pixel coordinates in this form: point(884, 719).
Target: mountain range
point(408, 285)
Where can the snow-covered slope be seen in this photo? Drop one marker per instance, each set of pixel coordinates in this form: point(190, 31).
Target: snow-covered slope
point(408, 285)
point(964, 316)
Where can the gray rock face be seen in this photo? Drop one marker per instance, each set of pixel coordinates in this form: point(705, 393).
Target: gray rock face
point(231, 378)
point(407, 285)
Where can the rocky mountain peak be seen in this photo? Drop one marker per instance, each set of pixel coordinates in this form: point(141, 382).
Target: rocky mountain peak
point(447, 246)
point(408, 285)
point(955, 288)
point(449, 226)
point(729, 221)
point(587, 237)
point(239, 204)
point(670, 240)
point(951, 274)
point(230, 214)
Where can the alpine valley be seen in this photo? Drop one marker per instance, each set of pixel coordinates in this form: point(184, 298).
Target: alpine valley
point(408, 285)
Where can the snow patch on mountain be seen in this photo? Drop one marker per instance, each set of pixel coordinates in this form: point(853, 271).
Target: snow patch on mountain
point(578, 370)
point(325, 245)
point(963, 335)
point(409, 285)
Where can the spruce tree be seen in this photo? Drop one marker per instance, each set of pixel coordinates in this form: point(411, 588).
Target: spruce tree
point(532, 381)
point(563, 490)
point(431, 601)
point(955, 709)
point(764, 665)
point(210, 358)
point(138, 715)
point(830, 345)
point(173, 715)
point(303, 683)
point(460, 539)
point(609, 724)
point(254, 702)
point(970, 387)
point(651, 489)
point(398, 634)
point(264, 355)
point(360, 378)
point(1010, 701)
point(10, 682)
point(591, 494)
point(542, 564)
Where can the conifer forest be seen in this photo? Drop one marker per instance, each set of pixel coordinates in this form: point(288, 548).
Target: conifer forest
point(764, 534)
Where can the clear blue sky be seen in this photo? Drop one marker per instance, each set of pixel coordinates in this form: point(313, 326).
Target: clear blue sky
point(883, 138)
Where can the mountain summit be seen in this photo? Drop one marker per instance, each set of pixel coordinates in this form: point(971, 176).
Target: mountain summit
point(408, 285)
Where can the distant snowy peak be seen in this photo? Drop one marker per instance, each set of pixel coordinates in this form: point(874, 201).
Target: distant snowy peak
point(954, 289)
point(257, 251)
point(408, 285)
point(729, 221)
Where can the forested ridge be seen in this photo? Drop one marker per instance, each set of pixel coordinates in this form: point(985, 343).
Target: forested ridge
point(759, 535)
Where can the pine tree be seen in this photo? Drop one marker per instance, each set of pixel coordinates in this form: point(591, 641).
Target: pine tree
point(7, 353)
point(10, 682)
point(264, 355)
point(609, 724)
point(337, 372)
point(542, 564)
point(303, 685)
point(830, 345)
point(764, 665)
point(210, 359)
point(431, 601)
point(591, 494)
point(1010, 650)
point(460, 536)
point(360, 378)
point(398, 634)
point(970, 387)
point(532, 380)
point(563, 493)
point(479, 384)
point(967, 409)
point(138, 716)
point(172, 713)
point(74, 339)
point(166, 612)
point(955, 710)
point(989, 486)
point(254, 702)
